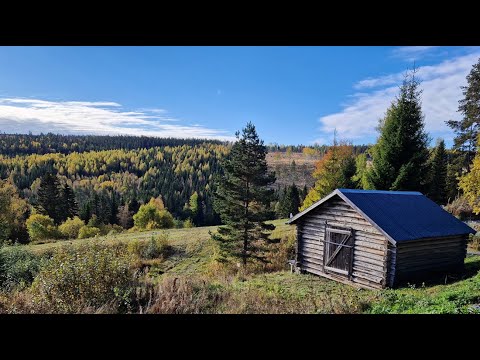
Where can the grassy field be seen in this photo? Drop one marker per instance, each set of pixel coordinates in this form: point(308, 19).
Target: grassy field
point(187, 280)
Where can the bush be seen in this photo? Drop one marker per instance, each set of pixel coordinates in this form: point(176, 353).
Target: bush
point(149, 217)
point(71, 227)
point(41, 227)
point(89, 276)
point(88, 232)
point(460, 208)
point(188, 224)
point(474, 242)
point(110, 229)
point(18, 268)
point(155, 248)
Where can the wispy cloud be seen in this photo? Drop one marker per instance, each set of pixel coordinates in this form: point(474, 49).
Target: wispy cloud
point(20, 115)
point(441, 92)
point(412, 53)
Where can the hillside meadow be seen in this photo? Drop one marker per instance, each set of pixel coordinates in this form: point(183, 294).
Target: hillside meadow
point(177, 271)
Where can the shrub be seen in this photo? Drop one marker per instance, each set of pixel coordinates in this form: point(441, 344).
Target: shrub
point(188, 223)
point(474, 242)
point(88, 232)
point(459, 208)
point(149, 217)
point(41, 227)
point(18, 268)
point(88, 276)
point(71, 227)
point(110, 229)
point(156, 247)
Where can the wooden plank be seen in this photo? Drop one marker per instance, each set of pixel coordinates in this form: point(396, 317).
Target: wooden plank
point(368, 260)
point(367, 284)
point(361, 264)
point(339, 231)
point(374, 279)
point(308, 255)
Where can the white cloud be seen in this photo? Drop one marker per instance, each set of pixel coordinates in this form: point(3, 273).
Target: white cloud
point(412, 53)
point(441, 92)
point(20, 115)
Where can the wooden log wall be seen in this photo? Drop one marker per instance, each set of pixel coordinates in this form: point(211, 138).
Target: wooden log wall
point(419, 257)
point(370, 252)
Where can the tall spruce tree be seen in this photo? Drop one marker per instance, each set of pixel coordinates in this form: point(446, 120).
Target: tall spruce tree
point(69, 204)
point(243, 199)
point(401, 154)
point(468, 127)
point(289, 202)
point(49, 198)
point(438, 176)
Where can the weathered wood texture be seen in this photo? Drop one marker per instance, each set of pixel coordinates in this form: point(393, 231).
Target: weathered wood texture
point(369, 268)
point(418, 258)
point(377, 263)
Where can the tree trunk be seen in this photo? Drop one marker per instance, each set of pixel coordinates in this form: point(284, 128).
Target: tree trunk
point(245, 235)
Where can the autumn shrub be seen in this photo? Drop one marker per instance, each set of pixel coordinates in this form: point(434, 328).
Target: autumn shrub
point(18, 267)
point(149, 217)
point(71, 227)
point(88, 232)
point(41, 227)
point(474, 242)
point(110, 229)
point(86, 276)
point(459, 208)
point(158, 246)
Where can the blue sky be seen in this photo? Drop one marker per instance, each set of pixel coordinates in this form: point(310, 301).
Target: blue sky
point(294, 95)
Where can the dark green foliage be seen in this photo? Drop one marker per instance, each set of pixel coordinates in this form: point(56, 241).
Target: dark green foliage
point(468, 127)
point(18, 268)
point(49, 198)
point(69, 204)
point(454, 171)
point(289, 202)
point(243, 198)
point(22, 144)
point(401, 154)
point(438, 174)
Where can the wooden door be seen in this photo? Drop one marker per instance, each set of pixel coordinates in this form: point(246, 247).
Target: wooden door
point(338, 251)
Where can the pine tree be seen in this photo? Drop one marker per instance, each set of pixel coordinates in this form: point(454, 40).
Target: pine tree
point(113, 213)
point(49, 198)
point(438, 180)
point(125, 217)
point(401, 154)
point(86, 212)
point(69, 204)
point(243, 199)
point(468, 128)
point(289, 202)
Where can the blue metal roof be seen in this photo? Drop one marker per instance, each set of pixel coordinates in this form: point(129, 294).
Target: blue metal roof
point(406, 215)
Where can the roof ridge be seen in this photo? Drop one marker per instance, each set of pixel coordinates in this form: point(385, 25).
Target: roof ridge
point(360, 191)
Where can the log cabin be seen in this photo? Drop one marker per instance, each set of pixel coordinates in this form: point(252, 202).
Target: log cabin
point(377, 239)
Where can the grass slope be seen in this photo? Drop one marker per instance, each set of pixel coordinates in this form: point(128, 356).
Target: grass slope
point(284, 292)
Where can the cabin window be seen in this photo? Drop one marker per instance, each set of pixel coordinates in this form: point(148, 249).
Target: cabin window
point(338, 250)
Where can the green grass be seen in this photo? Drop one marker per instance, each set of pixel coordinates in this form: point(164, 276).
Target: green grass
point(285, 292)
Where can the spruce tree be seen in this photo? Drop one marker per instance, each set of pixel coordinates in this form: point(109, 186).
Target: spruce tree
point(243, 199)
point(49, 198)
point(401, 154)
point(438, 181)
point(69, 204)
point(289, 202)
point(468, 127)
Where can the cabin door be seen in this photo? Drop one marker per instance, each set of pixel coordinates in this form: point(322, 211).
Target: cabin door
point(338, 251)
